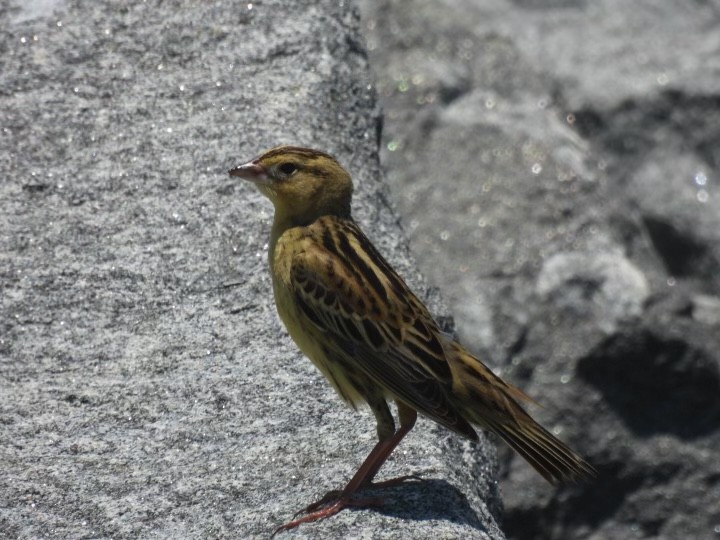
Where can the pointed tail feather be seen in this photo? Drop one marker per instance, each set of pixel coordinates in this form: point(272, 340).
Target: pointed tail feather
point(545, 452)
point(488, 401)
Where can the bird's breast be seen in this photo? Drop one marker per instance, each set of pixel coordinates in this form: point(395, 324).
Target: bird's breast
point(303, 332)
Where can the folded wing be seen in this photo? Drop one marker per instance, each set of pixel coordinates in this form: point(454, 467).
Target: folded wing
point(369, 316)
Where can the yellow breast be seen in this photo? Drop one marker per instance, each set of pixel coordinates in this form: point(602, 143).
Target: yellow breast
point(309, 339)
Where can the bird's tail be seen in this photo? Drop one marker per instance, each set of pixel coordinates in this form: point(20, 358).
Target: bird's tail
point(489, 402)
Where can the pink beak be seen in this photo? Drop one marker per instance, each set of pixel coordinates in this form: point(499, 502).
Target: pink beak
point(250, 171)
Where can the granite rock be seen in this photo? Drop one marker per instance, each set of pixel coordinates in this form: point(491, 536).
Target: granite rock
point(557, 167)
point(147, 388)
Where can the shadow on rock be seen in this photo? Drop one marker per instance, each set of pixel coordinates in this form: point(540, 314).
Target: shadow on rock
point(422, 500)
point(657, 383)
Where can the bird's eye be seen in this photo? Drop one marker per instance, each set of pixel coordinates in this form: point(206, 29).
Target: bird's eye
point(287, 168)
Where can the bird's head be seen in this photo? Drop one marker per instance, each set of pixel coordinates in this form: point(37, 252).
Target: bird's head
point(303, 184)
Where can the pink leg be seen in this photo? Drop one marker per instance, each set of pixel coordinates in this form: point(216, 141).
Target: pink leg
point(363, 477)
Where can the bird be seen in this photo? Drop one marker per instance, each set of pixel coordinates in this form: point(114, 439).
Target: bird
point(357, 320)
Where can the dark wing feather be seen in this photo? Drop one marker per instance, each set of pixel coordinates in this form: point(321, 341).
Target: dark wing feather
point(351, 294)
point(490, 402)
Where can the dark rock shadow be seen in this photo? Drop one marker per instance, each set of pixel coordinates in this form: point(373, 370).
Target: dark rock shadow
point(681, 252)
point(421, 500)
point(576, 505)
point(657, 383)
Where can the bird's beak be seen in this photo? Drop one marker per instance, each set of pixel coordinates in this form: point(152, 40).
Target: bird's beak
point(251, 171)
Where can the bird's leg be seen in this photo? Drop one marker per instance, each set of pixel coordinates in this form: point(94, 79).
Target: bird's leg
point(366, 472)
point(389, 439)
point(407, 416)
point(385, 432)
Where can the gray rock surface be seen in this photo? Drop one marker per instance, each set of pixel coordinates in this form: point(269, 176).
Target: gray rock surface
point(557, 165)
point(147, 389)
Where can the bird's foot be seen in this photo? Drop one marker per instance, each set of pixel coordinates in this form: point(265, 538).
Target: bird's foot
point(336, 494)
point(333, 503)
point(336, 500)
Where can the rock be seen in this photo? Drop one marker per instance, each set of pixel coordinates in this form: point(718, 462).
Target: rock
point(606, 284)
point(148, 388)
point(678, 203)
point(566, 203)
point(706, 309)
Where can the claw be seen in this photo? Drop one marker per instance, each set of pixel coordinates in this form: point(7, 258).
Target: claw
point(336, 494)
point(336, 502)
point(334, 508)
point(333, 495)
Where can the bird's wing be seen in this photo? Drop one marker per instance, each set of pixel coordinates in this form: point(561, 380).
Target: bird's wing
point(350, 293)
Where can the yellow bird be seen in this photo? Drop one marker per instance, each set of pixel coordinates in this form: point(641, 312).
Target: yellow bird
point(372, 338)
